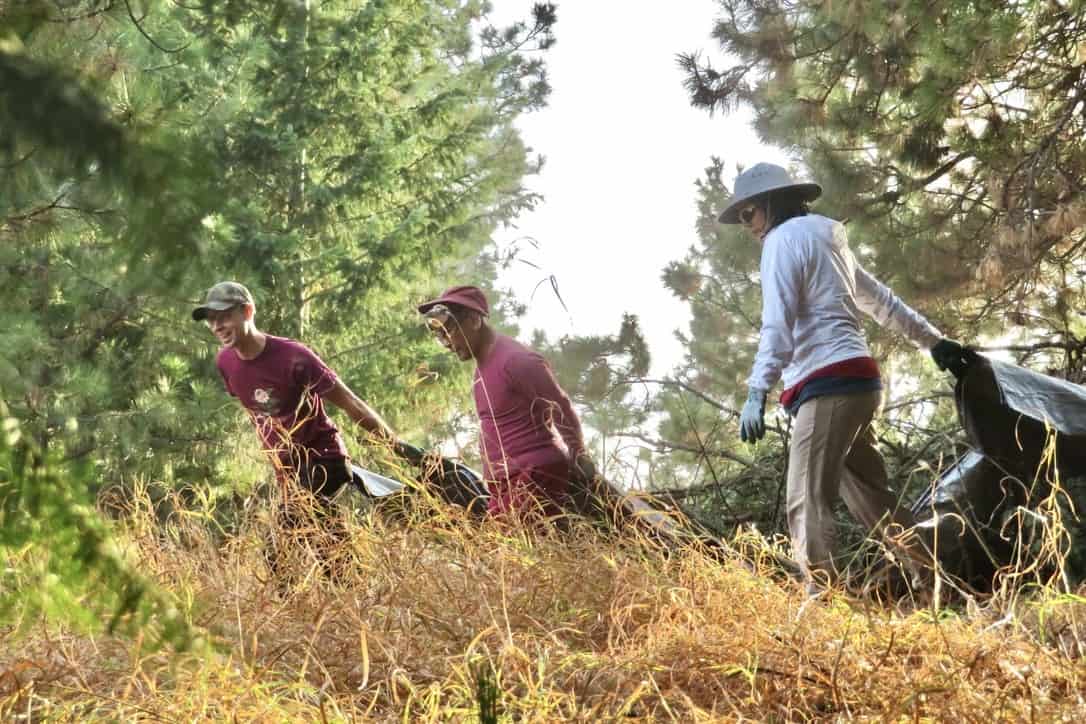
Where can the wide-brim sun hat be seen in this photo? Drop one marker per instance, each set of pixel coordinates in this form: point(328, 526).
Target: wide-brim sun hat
point(761, 178)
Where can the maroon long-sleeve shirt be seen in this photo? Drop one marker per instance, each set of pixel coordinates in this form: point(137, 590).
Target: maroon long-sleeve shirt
point(526, 419)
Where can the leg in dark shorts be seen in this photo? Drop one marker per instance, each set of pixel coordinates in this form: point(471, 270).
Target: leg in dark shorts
point(307, 514)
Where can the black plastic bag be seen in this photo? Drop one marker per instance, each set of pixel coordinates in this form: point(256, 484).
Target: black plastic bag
point(1025, 429)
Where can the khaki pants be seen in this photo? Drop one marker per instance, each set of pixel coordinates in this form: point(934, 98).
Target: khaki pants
point(834, 453)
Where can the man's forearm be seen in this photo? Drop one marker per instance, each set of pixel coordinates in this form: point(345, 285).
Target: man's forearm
point(360, 413)
point(367, 418)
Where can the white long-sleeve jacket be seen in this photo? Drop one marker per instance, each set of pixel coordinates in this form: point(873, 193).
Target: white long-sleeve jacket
point(813, 291)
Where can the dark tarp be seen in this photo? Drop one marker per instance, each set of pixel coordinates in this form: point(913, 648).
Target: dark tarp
point(1040, 397)
point(1008, 412)
point(1015, 419)
point(961, 516)
point(597, 499)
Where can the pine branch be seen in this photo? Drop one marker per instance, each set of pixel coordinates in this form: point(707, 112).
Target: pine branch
point(909, 185)
point(152, 41)
point(665, 445)
point(680, 385)
point(1067, 346)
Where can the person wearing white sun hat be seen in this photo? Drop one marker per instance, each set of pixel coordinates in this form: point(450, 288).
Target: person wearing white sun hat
point(813, 290)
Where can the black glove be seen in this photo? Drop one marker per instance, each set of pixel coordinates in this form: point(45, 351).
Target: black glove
point(407, 451)
point(585, 468)
point(952, 356)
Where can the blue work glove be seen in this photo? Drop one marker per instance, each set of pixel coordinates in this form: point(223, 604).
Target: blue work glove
point(752, 419)
point(952, 356)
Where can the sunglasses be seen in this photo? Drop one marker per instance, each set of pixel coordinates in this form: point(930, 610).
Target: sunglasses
point(436, 326)
point(437, 320)
point(746, 214)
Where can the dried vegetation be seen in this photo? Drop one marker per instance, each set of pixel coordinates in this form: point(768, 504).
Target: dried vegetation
point(579, 626)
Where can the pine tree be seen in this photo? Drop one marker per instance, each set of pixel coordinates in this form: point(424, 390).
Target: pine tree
point(340, 158)
point(602, 373)
point(951, 134)
point(383, 161)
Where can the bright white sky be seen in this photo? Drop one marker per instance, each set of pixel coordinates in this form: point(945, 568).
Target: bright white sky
point(623, 149)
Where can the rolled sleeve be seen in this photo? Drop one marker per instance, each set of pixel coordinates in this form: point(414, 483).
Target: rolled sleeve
point(310, 372)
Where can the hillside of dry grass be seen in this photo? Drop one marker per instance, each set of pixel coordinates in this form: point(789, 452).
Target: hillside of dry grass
point(578, 626)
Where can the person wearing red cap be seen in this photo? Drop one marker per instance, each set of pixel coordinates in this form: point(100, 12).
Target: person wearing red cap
point(283, 385)
point(531, 439)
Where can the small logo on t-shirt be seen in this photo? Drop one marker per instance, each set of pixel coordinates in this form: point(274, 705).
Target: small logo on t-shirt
point(265, 401)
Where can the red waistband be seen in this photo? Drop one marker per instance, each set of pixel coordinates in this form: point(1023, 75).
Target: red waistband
point(864, 368)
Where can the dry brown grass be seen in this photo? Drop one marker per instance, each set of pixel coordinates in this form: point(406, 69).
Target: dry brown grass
point(580, 626)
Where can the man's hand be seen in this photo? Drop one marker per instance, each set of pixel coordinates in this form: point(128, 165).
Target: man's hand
point(952, 356)
point(407, 451)
point(584, 467)
point(752, 419)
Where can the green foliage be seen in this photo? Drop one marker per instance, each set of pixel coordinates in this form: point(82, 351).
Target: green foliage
point(949, 136)
point(949, 133)
point(603, 373)
point(380, 147)
point(487, 694)
point(60, 559)
point(342, 159)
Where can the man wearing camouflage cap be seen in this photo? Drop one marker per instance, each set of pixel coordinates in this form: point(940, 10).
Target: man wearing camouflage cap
point(283, 385)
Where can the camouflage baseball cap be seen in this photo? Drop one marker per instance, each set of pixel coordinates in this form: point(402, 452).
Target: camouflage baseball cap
point(222, 296)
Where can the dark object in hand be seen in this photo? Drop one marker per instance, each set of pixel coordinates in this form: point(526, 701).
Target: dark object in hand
point(952, 356)
point(452, 481)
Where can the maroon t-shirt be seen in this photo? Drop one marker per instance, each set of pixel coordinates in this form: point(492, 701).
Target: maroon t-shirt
point(526, 419)
point(281, 389)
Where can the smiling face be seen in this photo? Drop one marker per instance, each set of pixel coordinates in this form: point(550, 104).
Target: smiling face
point(230, 325)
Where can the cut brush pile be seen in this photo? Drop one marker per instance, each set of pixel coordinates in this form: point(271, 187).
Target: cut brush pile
point(433, 614)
